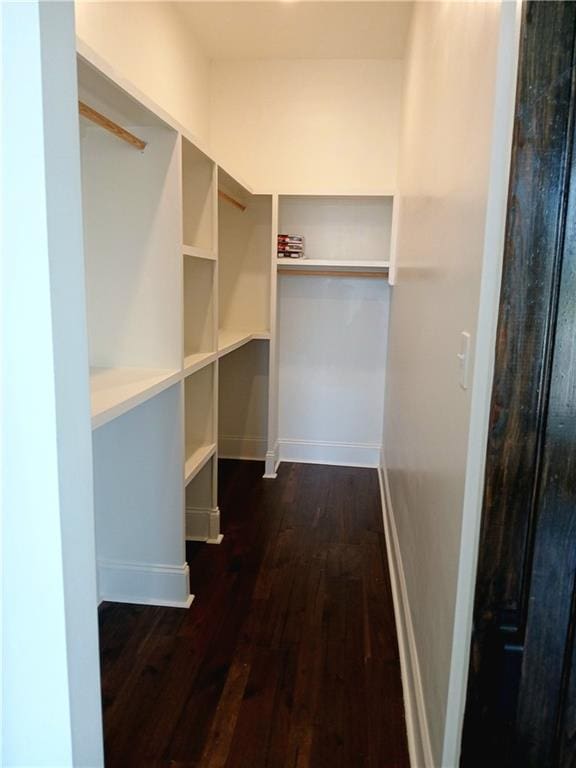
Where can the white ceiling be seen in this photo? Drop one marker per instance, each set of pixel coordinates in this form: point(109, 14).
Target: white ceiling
point(293, 29)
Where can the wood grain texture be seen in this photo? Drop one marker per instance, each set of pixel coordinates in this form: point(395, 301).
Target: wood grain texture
point(109, 125)
point(523, 595)
point(550, 619)
point(288, 657)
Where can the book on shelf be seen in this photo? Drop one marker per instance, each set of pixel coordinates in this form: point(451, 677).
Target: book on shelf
point(290, 246)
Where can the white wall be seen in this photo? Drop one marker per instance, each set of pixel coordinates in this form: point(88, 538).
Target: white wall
point(152, 45)
point(332, 352)
point(51, 710)
point(308, 125)
point(335, 122)
point(445, 183)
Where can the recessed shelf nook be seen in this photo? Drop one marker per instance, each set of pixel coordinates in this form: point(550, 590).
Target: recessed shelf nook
point(198, 204)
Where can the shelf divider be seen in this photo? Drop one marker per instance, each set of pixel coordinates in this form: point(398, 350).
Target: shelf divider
point(198, 253)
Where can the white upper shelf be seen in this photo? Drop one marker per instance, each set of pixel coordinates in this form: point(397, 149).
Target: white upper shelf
point(348, 265)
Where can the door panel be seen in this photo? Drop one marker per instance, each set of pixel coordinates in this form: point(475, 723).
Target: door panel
point(518, 694)
point(545, 669)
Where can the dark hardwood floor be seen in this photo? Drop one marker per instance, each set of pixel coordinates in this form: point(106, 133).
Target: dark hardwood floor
point(288, 656)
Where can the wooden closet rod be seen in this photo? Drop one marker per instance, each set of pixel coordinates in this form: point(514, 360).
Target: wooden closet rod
point(108, 125)
point(225, 196)
point(330, 273)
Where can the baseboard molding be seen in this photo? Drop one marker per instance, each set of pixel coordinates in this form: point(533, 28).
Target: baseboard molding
point(241, 447)
point(323, 452)
point(203, 524)
point(419, 745)
point(144, 583)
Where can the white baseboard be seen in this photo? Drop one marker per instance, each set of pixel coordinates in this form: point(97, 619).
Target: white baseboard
point(203, 524)
point(419, 745)
point(144, 583)
point(322, 452)
point(242, 447)
point(271, 463)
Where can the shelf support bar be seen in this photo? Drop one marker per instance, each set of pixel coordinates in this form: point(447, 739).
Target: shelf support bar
point(331, 273)
point(109, 125)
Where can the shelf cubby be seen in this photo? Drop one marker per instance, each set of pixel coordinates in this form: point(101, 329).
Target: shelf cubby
point(199, 313)
point(244, 242)
point(199, 407)
point(198, 179)
point(342, 232)
point(132, 250)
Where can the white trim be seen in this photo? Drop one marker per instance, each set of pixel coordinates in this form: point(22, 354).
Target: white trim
point(419, 746)
point(324, 452)
point(242, 447)
point(144, 583)
point(203, 524)
point(488, 311)
point(272, 463)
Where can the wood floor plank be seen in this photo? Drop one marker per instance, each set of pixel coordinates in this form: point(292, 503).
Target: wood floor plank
point(288, 656)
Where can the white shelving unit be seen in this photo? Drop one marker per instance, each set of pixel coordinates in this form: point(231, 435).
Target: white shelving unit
point(330, 314)
point(132, 236)
point(165, 301)
point(181, 283)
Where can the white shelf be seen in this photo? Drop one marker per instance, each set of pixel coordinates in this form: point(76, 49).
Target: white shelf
point(348, 265)
point(196, 362)
point(197, 460)
point(229, 340)
point(115, 391)
point(198, 253)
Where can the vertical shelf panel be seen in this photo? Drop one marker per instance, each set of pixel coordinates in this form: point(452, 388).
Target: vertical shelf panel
point(198, 213)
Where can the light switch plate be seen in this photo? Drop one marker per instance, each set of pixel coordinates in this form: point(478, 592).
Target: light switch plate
point(464, 359)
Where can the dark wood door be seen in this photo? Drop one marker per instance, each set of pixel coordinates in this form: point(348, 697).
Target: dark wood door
point(521, 705)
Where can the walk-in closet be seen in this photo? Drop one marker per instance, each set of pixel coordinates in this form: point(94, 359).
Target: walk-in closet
point(256, 250)
point(206, 341)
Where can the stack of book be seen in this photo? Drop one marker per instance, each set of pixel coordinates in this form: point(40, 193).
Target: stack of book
point(290, 247)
